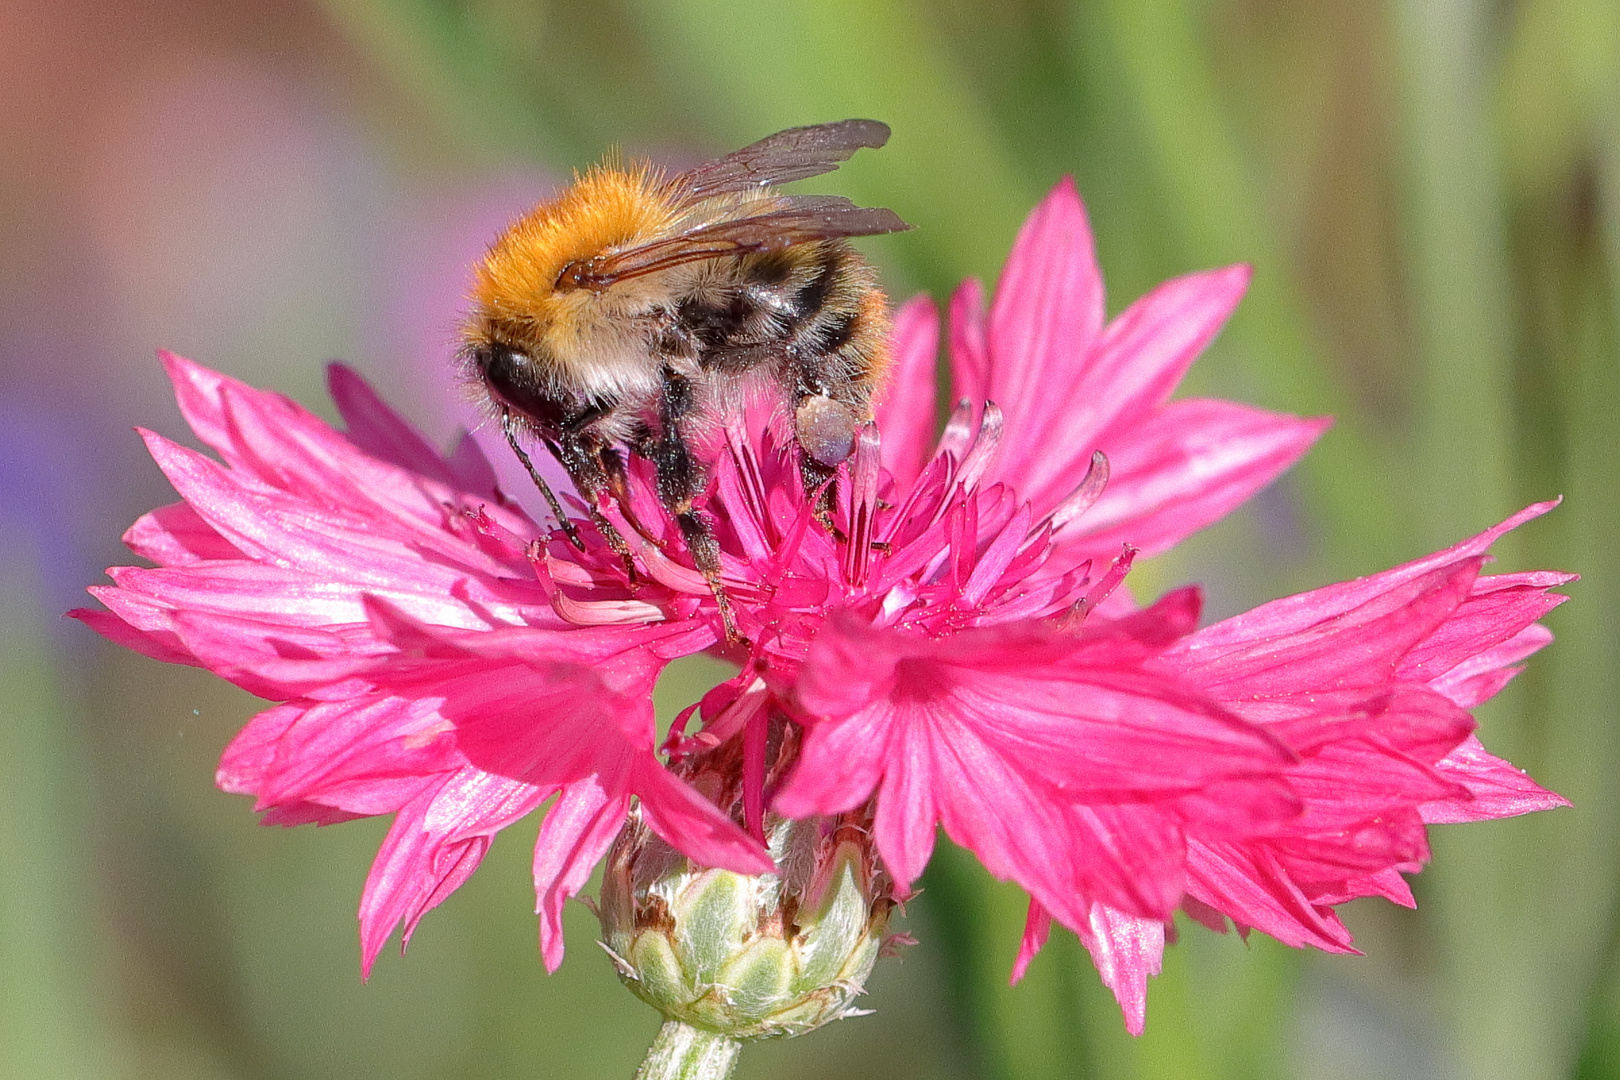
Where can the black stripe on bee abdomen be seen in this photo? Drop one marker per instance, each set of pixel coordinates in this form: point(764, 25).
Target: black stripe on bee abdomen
point(834, 333)
point(811, 297)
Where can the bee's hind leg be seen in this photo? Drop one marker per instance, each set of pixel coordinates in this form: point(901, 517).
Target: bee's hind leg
point(825, 430)
point(618, 481)
point(821, 488)
point(700, 541)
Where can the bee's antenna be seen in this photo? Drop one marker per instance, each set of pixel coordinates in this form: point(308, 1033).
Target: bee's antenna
point(568, 529)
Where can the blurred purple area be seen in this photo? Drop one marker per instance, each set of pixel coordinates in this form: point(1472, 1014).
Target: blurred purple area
point(188, 179)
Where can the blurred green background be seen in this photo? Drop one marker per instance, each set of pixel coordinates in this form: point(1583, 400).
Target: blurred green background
point(1429, 189)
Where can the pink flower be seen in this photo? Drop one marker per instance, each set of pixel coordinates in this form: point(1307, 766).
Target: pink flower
point(955, 653)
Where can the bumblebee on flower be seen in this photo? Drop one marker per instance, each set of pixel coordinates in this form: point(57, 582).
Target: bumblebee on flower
point(945, 643)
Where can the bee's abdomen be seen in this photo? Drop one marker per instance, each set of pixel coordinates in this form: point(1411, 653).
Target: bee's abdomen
point(813, 312)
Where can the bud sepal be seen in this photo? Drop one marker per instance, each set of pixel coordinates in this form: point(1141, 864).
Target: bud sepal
point(749, 957)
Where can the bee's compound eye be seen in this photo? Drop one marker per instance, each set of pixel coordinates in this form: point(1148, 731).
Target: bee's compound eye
point(825, 428)
point(503, 363)
point(508, 372)
point(518, 382)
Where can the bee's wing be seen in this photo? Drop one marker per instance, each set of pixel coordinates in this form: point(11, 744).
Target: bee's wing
point(777, 159)
point(797, 219)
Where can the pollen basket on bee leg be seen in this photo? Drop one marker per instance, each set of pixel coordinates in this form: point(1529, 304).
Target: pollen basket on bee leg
point(825, 429)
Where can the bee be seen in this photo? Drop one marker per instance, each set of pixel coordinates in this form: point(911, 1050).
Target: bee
point(635, 307)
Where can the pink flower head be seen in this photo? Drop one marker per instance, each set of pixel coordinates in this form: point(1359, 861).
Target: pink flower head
point(954, 652)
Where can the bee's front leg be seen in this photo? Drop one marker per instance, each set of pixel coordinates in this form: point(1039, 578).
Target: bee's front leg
point(510, 427)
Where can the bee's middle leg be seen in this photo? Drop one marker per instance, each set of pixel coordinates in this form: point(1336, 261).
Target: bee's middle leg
point(680, 480)
point(583, 458)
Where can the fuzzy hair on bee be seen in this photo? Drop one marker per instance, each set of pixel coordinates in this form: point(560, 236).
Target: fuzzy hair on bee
point(636, 307)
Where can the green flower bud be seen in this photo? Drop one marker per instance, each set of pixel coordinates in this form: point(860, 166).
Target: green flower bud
point(749, 957)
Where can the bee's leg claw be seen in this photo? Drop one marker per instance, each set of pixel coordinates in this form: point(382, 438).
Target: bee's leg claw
point(705, 551)
point(615, 541)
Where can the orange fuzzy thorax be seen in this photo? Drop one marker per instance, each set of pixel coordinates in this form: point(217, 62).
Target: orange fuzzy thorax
point(603, 208)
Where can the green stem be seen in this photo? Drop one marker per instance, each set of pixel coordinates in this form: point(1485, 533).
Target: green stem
point(683, 1052)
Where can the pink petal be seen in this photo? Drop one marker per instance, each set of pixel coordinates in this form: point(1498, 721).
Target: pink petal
point(308, 813)
point(1001, 736)
point(253, 751)
point(1184, 467)
point(1474, 691)
point(281, 530)
point(175, 535)
point(1296, 613)
point(1098, 718)
point(692, 824)
point(1029, 833)
point(546, 724)
point(1107, 390)
point(550, 723)
point(840, 765)
point(574, 837)
point(1407, 719)
point(472, 469)
point(1394, 839)
point(1500, 609)
point(1147, 350)
point(1047, 313)
point(1385, 883)
point(436, 842)
point(278, 596)
point(378, 430)
point(273, 443)
point(906, 811)
point(1127, 856)
point(1204, 915)
point(621, 659)
point(161, 645)
point(1127, 951)
point(273, 661)
point(1479, 678)
point(1357, 647)
point(907, 411)
point(197, 390)
point(1496, 788)
point(970, 351)
point(1354, 781)
point(368, 754)
point(853, 666)
point(1245, 883)
point(1037, 928)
